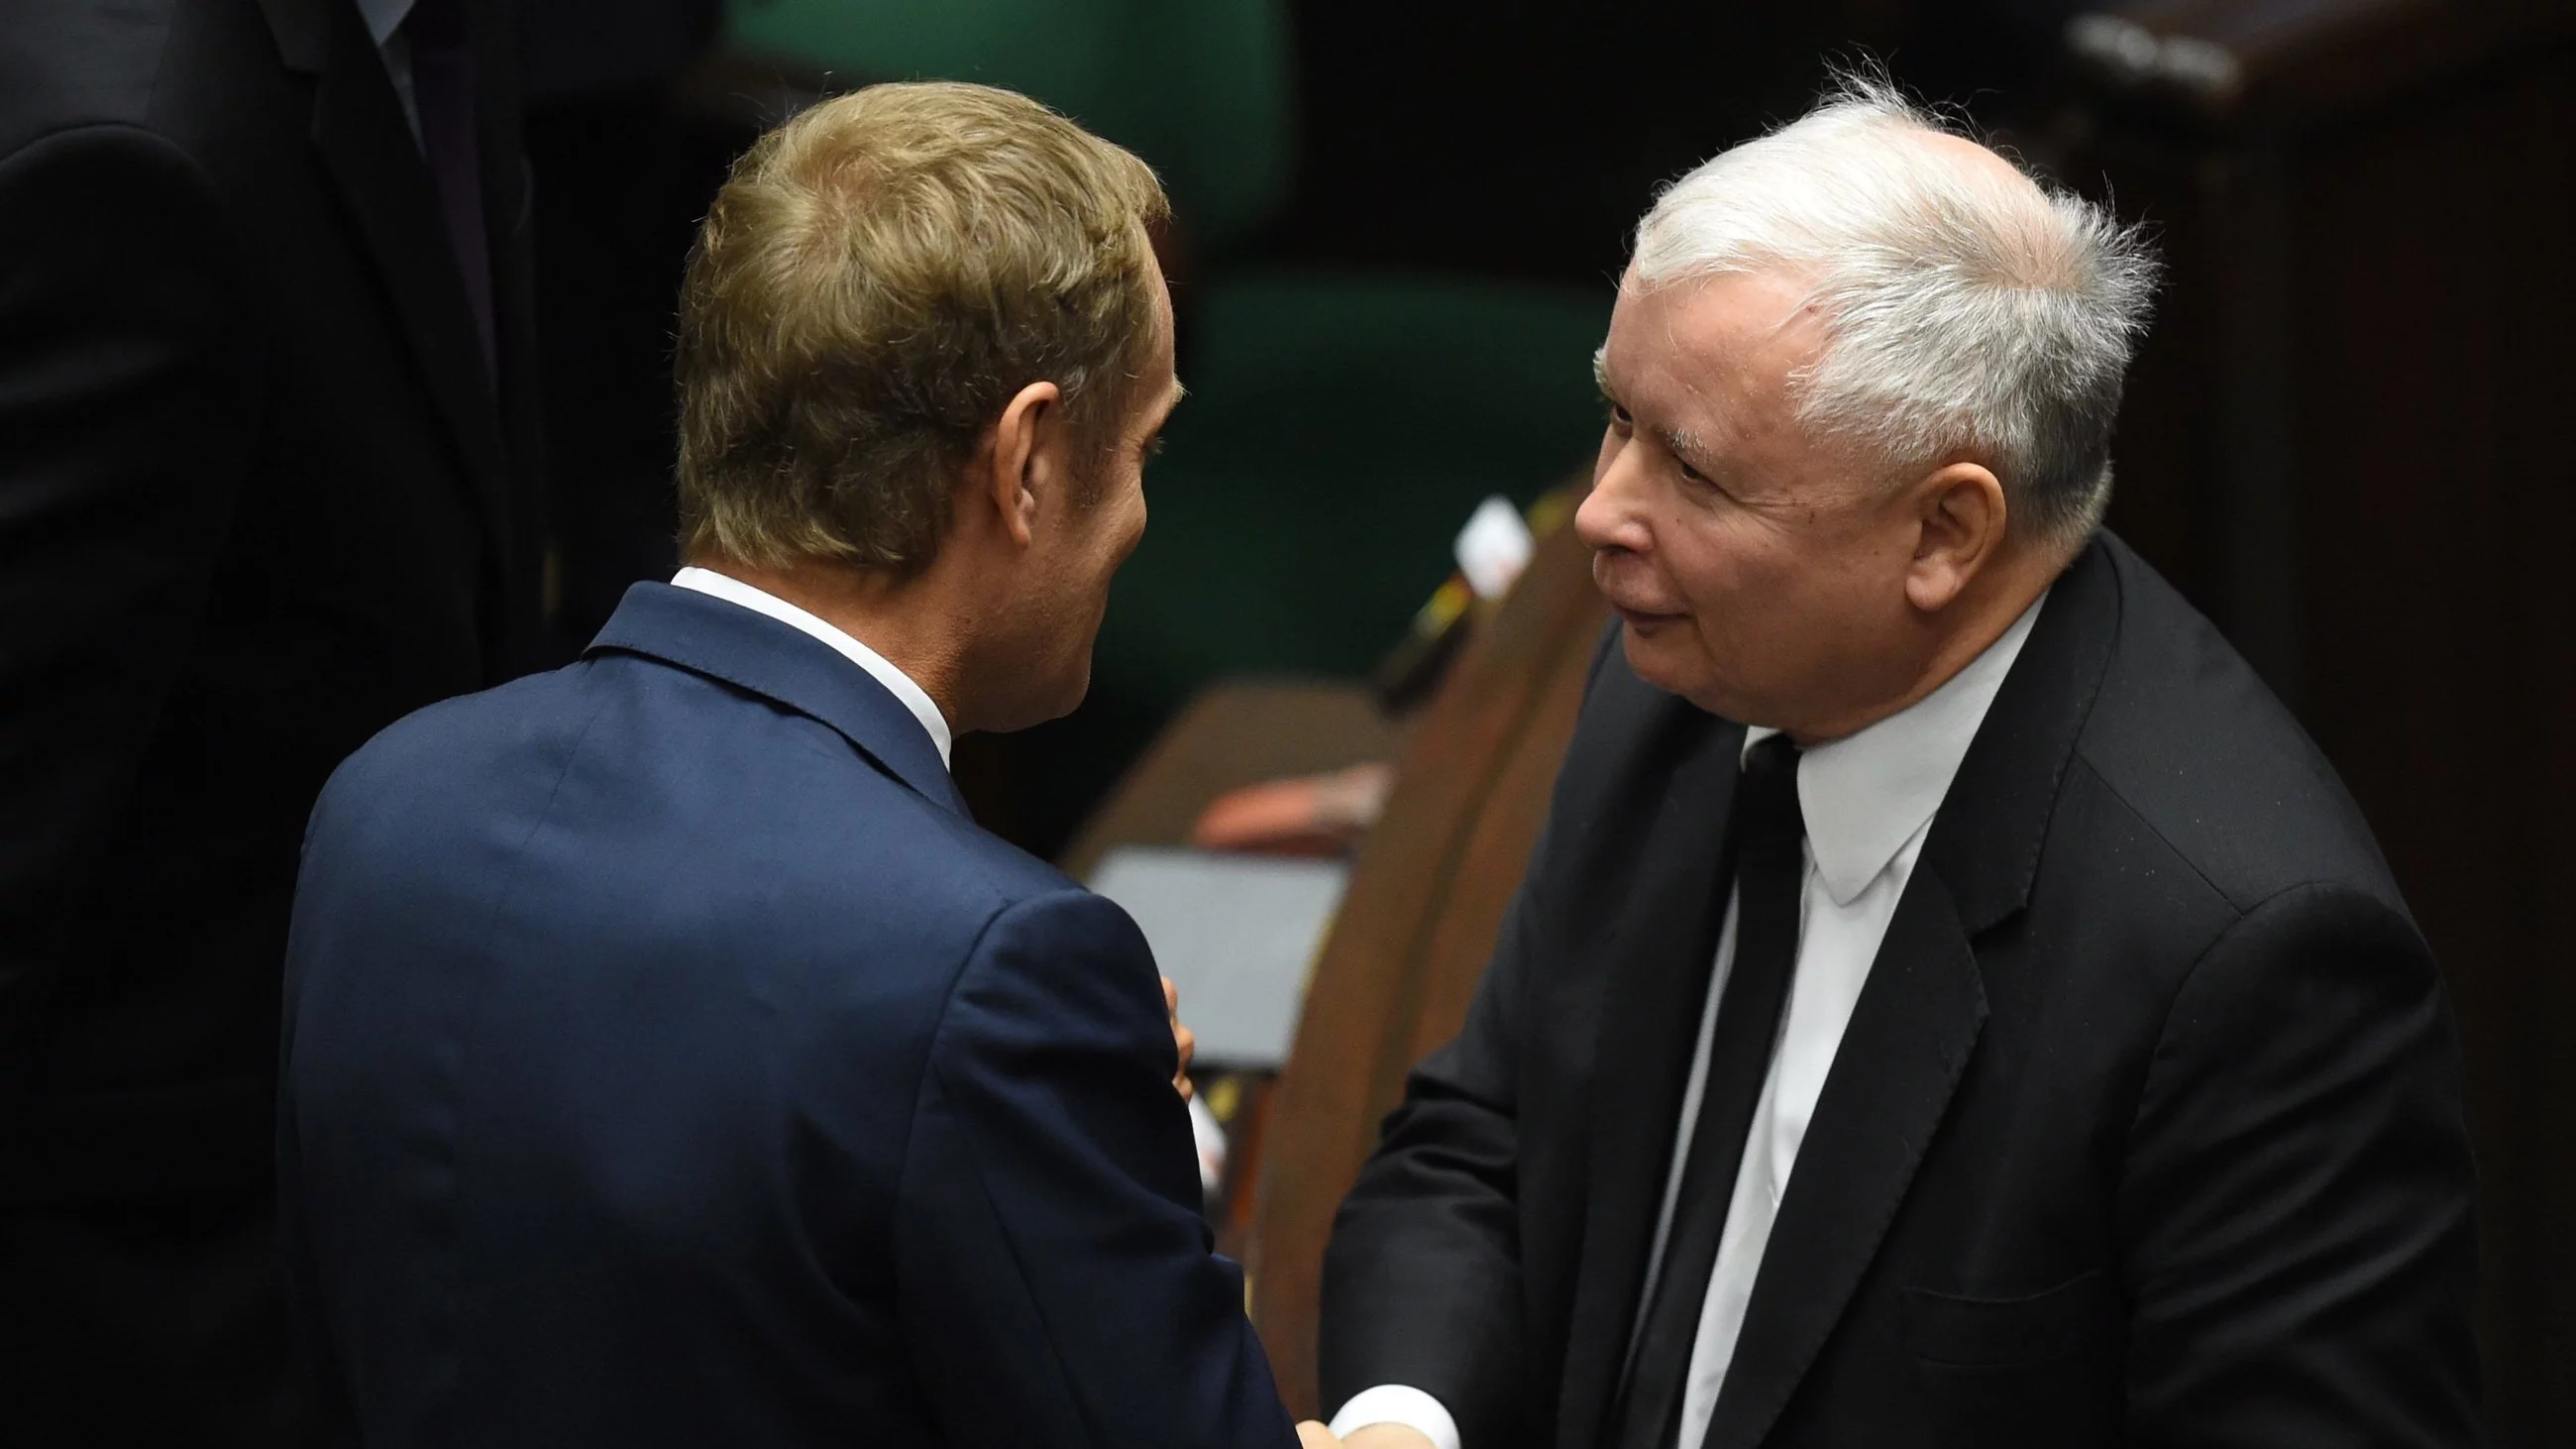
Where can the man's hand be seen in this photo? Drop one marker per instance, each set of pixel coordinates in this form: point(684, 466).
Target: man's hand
point(1182, 1037)
point(1310, 1434)
point(1386, 1436)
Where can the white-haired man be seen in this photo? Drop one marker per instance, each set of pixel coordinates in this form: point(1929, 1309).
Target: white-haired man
point(1952, 1003)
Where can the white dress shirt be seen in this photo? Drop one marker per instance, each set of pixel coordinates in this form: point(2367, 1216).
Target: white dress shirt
point(1869, 799)
point(899, 684)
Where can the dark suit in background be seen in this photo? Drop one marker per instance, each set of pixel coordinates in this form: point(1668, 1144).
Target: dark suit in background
point(261, 492)
point(624, 170)
point(671, 1061)
point(2146, 1128)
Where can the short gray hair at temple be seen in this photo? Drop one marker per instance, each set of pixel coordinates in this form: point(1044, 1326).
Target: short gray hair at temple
point(1963, 319)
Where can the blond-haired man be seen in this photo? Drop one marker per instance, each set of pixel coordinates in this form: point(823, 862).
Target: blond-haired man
point(670, 1059)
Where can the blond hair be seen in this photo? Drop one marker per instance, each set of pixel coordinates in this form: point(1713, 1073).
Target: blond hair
point(878, 277)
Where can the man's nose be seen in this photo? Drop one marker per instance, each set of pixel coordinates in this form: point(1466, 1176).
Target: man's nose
point(1609, 516)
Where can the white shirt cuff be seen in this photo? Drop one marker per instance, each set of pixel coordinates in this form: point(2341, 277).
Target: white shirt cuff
point(1396, 1404)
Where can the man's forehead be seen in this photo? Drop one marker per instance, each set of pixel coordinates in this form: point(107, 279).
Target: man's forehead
point(1739, 304)
point(1726, 324)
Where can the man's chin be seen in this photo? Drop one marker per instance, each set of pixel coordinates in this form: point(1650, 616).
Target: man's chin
point(1654, 654)
point(1669, 662)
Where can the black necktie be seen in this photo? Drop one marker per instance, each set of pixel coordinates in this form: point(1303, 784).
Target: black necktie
point(1766, 836)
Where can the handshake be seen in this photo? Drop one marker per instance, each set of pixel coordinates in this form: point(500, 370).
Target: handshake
point(1310, 1434)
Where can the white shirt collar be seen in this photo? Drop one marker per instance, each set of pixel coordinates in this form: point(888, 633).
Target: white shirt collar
point(384, 17)
point(899, 684)
point(1869, 793)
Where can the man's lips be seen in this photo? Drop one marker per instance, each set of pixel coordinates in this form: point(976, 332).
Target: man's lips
point(1642, 618)
point(1636, 612)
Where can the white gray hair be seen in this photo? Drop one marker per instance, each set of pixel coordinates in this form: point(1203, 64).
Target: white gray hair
point(1965, 318)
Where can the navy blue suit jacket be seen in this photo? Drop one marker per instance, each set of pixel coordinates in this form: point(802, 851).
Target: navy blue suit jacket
point(670, 1060)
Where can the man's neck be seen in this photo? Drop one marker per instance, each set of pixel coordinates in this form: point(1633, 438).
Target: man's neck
point(1976, 621)
point(899, 619)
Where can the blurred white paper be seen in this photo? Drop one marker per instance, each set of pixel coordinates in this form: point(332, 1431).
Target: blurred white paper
point(1236, 933)
point(1494, 547)
point(1209, 1133)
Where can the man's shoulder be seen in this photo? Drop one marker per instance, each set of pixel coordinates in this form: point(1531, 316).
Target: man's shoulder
point(619, 810)
point(655, 768)
point(424, 748)
point(2205, 757)
point(67, 64)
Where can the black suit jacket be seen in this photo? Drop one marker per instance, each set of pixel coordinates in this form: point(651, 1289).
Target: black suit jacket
point(260, 495)
point(2146, 1129)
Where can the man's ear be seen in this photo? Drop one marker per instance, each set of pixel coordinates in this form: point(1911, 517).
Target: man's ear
point(1027, 450)
point(1962, 517)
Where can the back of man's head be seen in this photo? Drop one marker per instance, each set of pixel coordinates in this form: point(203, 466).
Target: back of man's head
point(879, 276)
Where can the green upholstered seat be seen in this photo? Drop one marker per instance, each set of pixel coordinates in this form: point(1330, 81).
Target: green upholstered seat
point(1200, 88)
point(1339, 429)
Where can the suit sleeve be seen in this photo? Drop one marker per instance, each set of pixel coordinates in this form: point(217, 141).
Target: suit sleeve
point(2296, 1205)
point(125, 381)
point(1057, 1278)
point(1422, 1278)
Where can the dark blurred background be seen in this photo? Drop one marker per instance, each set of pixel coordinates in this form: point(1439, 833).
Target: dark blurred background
point(2347, 438)
point(1396, 232)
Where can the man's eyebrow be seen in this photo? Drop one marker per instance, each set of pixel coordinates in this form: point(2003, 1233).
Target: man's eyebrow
point(1684, 444)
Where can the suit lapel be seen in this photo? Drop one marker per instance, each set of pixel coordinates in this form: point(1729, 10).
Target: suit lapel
point(507, 218)
point(1662, 953)
point(367, 149)
point(1919, 1017)
point(1986, 841)
point(1900, 1059)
